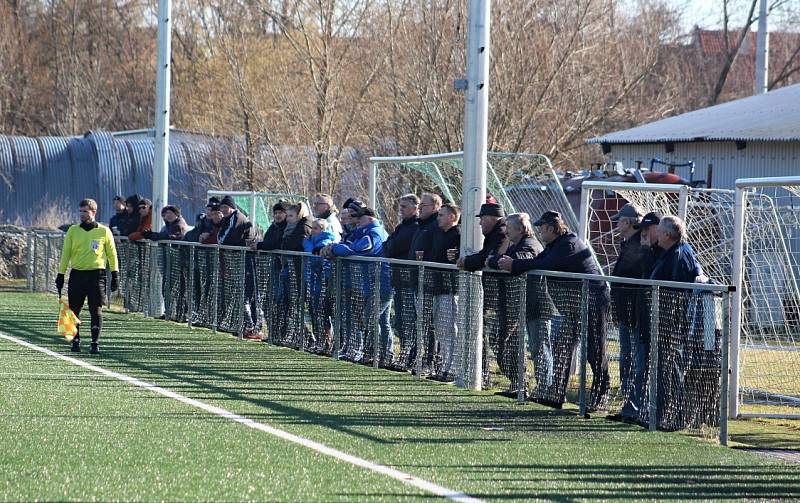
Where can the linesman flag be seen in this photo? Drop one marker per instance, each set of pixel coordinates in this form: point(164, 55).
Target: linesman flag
point(67, 322)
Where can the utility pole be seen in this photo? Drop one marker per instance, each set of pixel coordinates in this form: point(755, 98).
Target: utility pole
point(762, 50)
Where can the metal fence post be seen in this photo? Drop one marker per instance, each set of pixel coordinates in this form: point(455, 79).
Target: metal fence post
point(583, 346)
point(166, 280)
point(301, 344)
point(48, 252)
point(724, 370)
point(190, 288)
point(652, 381)
point(376, 316)
point(29, 269)
point(216, 288)
point(420, 321)
point(522, 331)
point(243, 296)
point(337, 318)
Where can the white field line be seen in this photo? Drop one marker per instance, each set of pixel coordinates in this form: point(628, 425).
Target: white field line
point(316, 446)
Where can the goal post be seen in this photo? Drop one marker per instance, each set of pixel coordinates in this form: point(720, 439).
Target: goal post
point(765, 357)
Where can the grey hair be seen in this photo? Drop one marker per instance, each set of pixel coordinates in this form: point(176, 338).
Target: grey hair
point(521, 221)
point(412, 198)
point(673, 226)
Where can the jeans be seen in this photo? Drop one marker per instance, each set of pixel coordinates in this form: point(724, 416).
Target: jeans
point(540, 346)
point(635, 401)
point(628, 337)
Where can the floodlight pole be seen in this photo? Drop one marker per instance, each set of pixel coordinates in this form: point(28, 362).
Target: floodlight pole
point(476, 111)
point(161, 135)
point(161, 139)
point(762, 50)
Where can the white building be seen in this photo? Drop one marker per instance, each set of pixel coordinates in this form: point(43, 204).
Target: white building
point(756, 136)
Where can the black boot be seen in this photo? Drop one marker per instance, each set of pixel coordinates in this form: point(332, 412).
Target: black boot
point(76, 345)
point(94, 349)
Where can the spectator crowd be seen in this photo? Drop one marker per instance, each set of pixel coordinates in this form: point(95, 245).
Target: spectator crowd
point(652, 247)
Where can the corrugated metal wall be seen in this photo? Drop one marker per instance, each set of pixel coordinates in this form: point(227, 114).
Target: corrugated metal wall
point(758, 159)
point(35, 172)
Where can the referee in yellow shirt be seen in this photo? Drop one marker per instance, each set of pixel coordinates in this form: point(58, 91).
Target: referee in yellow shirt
point(88, 246)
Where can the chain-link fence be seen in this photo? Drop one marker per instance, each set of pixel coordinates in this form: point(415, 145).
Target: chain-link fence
point(547, 337)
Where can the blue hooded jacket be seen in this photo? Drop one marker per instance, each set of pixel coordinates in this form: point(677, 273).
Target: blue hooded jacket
point(367, 241)
point(317, 268)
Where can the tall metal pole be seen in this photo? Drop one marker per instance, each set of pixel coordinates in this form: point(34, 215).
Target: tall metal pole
point(161, 140)
point(762, 49)
point(476, 119)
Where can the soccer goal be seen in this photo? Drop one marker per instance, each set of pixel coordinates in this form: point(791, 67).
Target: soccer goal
point(765, 378)
point(257, 206)
point(520, 182)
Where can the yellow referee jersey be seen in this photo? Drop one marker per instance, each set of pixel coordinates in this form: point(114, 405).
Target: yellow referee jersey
point(88, 250)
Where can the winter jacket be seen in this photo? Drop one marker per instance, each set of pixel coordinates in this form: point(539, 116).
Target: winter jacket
point(235, 230)
point(538, 304)
point(397, 246)
point(174, 231)
point(120, 223)
point(441, 282)
point(423, 237)
point(491, 243)
point(273, 237)
point(294, 241)
point(204, 225)
point(145, 226)
point(629, 265)
point(367, 241)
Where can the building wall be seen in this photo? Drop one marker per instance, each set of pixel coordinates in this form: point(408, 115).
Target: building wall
point(34, 172)
point(758, 159)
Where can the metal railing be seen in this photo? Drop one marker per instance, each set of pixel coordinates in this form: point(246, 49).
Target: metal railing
point(415, 316)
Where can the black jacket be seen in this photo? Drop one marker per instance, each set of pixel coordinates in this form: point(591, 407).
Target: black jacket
point(294, 241)
point(443, 282)
point(203, 225)
point(398, 243)
point(237, 230)
point(629, 265)
point(566, 253)
point(273, 236)
point(423, 238)
point(122, 223)
point(538, 303)
point(491, 243)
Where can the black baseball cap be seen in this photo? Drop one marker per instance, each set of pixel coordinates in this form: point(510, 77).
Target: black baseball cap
point(628, 211)
point(651, 218)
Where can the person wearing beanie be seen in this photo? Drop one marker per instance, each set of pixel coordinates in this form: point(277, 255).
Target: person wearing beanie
point(174, 225)
point(119, 222)
point(274, 235)
point(132, 207)
point(236, 229)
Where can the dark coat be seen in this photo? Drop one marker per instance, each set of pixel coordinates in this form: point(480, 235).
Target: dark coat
point(236, 230)
point(423, 238)
point(203, 225)
point(294, 241)
point(174, 231)
point(538, 303)
point(679, 263)
point(629, 265)
point(397, 246)
point(443, 282)
point(120, 223)
point(491, 243)
point(273, 236)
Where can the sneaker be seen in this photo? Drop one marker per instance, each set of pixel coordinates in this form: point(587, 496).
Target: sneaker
point(94, 349)
point(76, 345)
point(253, 335)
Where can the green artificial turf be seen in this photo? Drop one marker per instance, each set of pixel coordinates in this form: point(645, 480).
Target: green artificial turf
point(69, 434)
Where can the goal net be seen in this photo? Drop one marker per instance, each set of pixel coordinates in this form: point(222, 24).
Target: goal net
point(767, 254)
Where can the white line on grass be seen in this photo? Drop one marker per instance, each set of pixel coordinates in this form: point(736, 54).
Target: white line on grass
point(321, 448)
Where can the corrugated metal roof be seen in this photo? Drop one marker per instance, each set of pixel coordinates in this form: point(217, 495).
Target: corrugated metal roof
point(773, 116)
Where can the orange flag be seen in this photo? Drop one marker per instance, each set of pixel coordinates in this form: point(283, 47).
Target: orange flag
point(67, 322)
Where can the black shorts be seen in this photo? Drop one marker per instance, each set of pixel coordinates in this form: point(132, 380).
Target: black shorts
point(84, 285)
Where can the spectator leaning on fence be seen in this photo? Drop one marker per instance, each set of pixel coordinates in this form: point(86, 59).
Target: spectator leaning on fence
point(500, 337)
point(539, 308)
point(211, 237)
point(445, 244)
point(322, 207)
point(677, 262)
point(132, 207)
point(88, 247)
point(397, 246)
point(623, 296)
point(145, 220)
point(565, 252)
point(174, 228)
point(236, 229)
point(119, 222)
point(318, 276)
point(428, 224)
point(203, 222)
point(274, 235)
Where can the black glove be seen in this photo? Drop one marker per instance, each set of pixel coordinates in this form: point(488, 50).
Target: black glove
point(59, 282)
point(114, 281)
point(150, 235)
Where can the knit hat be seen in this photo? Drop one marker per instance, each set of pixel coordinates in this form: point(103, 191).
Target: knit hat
point(172, 208)
point(279, 206)
point(212, 201)
point(228, 201)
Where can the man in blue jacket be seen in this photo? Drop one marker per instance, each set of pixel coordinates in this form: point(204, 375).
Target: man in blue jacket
point(565, 252)
point(367, 241)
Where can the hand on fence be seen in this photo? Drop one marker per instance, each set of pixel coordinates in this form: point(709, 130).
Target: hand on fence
point(59, 283)
point(114, 281)
point(505, 262)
